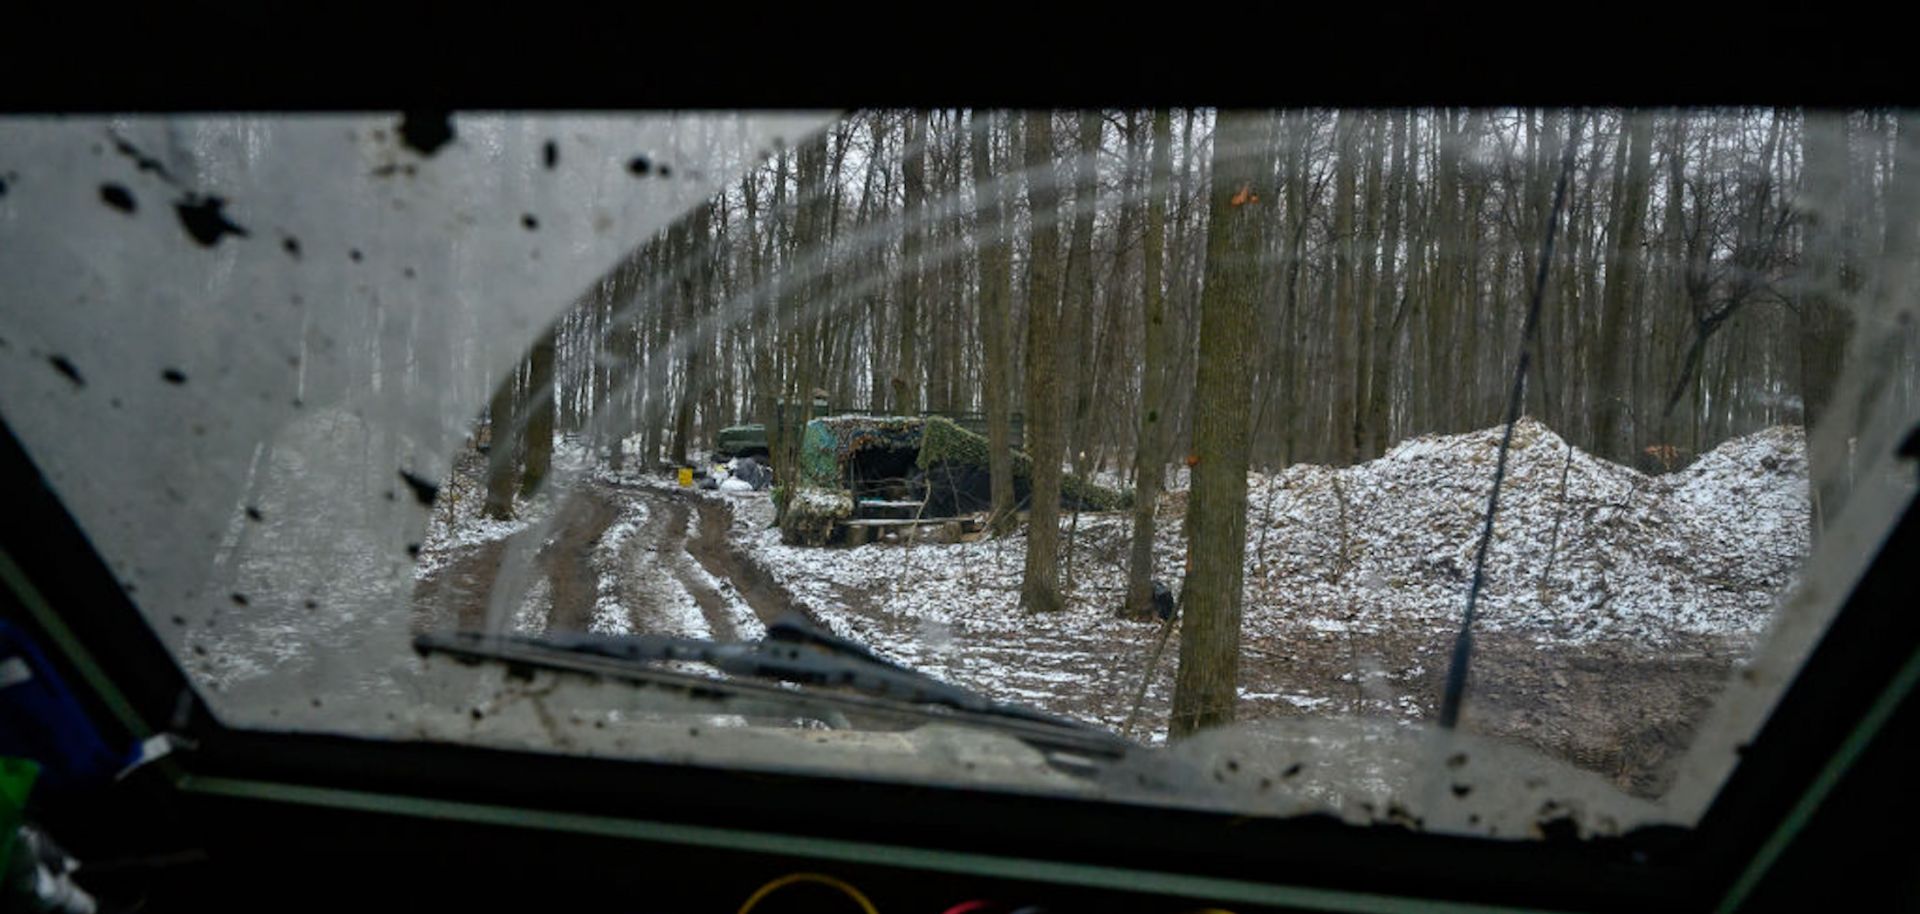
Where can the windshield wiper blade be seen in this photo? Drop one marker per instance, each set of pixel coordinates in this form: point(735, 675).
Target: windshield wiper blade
point(793, 652)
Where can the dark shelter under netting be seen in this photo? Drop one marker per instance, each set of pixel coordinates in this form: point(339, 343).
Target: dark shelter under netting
point(925, 468)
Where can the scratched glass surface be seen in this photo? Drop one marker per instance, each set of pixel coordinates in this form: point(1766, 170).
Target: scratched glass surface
point(974, 391)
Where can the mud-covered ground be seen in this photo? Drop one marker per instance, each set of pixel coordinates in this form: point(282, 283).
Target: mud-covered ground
point(615, 558)
point(1614, 706)
point(1617, 604)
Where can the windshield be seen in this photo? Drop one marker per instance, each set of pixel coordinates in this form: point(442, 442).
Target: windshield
point(1182, 425)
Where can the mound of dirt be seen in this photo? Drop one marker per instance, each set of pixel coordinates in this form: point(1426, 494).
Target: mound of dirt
point(1583, 549)
point(1615, 604)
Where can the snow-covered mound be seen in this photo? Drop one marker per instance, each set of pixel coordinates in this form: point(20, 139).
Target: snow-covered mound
point(1583, 548)
point(1356, 579)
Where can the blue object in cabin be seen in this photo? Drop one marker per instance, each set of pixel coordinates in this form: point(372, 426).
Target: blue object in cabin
point(41, 720)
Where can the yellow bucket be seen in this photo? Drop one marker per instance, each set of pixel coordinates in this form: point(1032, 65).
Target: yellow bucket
point(686, 476)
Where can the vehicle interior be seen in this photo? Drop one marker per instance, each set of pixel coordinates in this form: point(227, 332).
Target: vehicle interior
point(1529, 491)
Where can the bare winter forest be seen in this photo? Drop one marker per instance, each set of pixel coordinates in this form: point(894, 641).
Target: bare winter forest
point(1174, 289)
point(1386, 257)
point(1259, 366)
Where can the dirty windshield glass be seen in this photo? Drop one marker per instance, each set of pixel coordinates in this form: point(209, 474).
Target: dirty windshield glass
point(1415, 465)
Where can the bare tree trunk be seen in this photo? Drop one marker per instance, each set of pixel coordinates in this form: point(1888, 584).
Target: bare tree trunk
point(1623, 266)
point(539, 427)
point(1385, 329)
point(1670, 321)
point(1340, 437)
point(1546, 360)
point(1412, 417)
point(782, 332)
point(1078, 312)
point(1894, 279)
point(945, 361)
point(690, 250)
point(995, 290)
point(1470, 407)
point(1292, 354)
point(622, 357)
point(1180, 301)
point(1365, 321)
point(1205, 688)
point(1441, 302)
point(879, 355)
point(1040, 591)
point(1825, 322)
point(501, 424)
point(906, 380)
point(1151, 460)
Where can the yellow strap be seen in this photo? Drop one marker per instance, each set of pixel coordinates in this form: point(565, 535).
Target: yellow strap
point(754, 900)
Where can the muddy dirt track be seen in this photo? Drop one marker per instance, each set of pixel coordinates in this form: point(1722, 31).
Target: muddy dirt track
point(663, 560)
point(677, 553)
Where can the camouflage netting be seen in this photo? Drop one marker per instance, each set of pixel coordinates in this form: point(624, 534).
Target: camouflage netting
point(945, 443)
point(810, 518)
point(828, 444)
point(821, 499)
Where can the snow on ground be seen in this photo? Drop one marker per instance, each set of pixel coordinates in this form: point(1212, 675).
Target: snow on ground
point(1585, 552)
point(610, 614)
point(746, 624)
point(531, 617)
point(444, 540)
point(951, 610)
point(1614, 602)
point(682, 613)
point(459, 521)
point(1583, 549)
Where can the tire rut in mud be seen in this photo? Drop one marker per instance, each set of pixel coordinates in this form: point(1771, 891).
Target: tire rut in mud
point(456, 595)
point(567, 560)
point(705, 541)
point(679, 530)
point(638, 575)
point(712, 549)
point(712, 605)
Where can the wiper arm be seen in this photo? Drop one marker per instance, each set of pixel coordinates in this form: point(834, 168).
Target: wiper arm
point(792, 652)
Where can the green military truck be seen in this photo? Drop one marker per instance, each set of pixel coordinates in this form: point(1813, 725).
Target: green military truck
point(750, 440)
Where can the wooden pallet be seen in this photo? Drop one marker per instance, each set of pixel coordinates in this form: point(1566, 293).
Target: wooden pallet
point(864, 529)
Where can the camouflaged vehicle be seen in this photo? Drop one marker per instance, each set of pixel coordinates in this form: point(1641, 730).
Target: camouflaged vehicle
point(750, 439)
point(860, 475)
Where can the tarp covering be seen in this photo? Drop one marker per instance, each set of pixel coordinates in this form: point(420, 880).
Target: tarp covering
point(947, 444)
point(829, 443)
point(954, 461)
